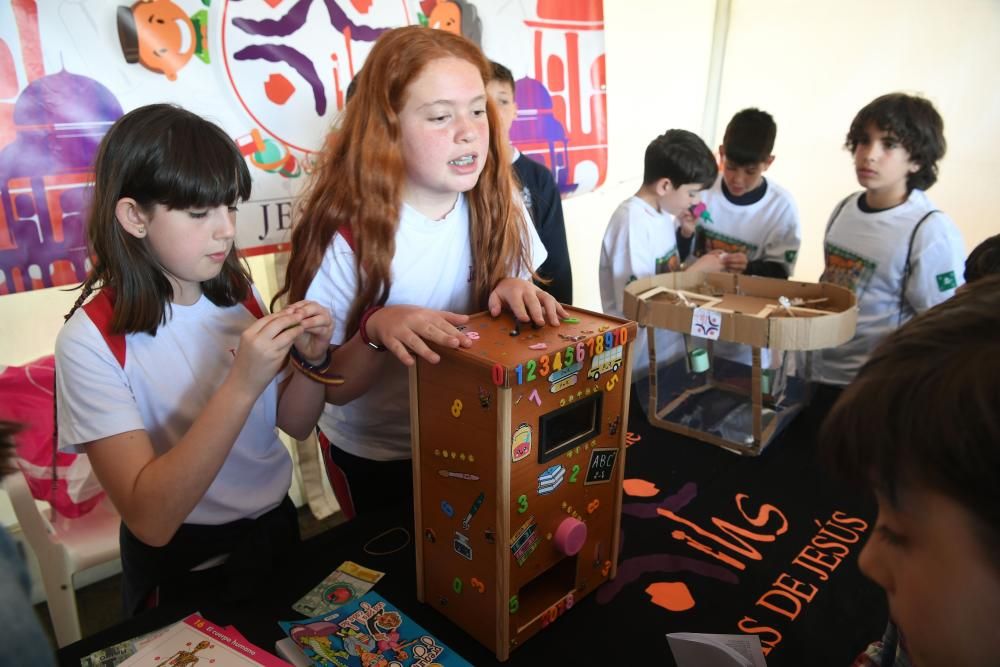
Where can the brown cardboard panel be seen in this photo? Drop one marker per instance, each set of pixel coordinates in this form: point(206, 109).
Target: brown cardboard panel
point(518, 463)
point(743, 303)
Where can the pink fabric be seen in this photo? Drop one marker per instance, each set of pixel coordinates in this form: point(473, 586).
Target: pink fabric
point(27, 397)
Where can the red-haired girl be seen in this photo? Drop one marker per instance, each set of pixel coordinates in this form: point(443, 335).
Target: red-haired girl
point(410, 221)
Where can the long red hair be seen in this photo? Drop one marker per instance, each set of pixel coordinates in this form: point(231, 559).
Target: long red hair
point(359, 179)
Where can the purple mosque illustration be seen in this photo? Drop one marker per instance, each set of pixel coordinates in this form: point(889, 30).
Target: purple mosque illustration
point(536, 126)
point(59, 121)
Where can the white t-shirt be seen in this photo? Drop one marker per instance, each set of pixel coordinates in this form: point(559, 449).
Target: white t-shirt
point(639, 242)
point(432, 268)
point(163, 388)
point(767, 230)
point(866, 252)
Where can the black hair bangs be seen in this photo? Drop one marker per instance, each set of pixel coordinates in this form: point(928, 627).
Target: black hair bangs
point(745, 156)
point(191, 164)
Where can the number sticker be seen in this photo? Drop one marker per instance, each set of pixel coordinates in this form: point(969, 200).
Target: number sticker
point(456, 585)
point(569, 355)
point(519, 371)
point(522, 504)
point(498, 375)
point(599, 344)
point(456, 408)
point(573, 474)
point(531, 370)
point(581, 352)
point(543, 367)
point(609, 340)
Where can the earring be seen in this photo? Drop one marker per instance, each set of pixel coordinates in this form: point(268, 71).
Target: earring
point(141, 231)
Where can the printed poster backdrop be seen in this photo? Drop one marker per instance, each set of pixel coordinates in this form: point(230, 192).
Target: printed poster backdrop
point(273, 73)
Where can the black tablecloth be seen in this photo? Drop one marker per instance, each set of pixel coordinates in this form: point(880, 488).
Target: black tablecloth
point(725, 544)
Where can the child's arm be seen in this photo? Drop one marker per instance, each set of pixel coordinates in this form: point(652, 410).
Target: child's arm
point(402, 331)
point(626, 255)
point(937, 259)
point(301, 399)
point(155, 494)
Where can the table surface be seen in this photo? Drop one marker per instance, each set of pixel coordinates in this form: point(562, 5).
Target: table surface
point(725, 544)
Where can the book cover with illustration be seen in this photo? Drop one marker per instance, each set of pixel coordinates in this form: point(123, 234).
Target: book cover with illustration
point(368, 631)
point(195, 641)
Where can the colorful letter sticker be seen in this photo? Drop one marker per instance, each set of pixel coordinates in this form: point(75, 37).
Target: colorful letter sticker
point(602, 463)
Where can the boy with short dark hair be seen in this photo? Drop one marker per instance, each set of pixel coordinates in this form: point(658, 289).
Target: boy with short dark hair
point(984, 260)
point(919, 423)
point(752, 219)
point(540, 193)
point(888, 243)
point(640, 239)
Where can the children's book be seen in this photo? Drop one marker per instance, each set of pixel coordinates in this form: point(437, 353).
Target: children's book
point(368, 631)
point(197, 641)
point(348, 582)
point(693, 649)
point(292, 652)
point(116, 654)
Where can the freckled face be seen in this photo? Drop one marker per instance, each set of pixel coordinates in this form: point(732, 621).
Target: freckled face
point(445, 135)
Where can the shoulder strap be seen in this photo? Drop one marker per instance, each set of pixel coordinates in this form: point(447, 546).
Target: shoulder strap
point(251, 304)
point(836, 212)
point(345, 232)
point(906, 267)
point(101, 310)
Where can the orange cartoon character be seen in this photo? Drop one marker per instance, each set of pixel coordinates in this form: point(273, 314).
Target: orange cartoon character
point(161, 37)
point(457, 16)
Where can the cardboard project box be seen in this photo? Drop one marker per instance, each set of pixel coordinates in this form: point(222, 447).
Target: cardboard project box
point(725, 381)
point(518, 460)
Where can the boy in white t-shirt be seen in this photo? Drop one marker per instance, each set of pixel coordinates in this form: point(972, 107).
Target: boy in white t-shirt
point(640, 239)
point(889, 243)
point(752, 219)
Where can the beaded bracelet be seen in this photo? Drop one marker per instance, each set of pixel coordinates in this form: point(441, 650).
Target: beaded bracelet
point(316, 373)
point(364, 334)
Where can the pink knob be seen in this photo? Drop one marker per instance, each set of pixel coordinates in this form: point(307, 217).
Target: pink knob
point(570, 536)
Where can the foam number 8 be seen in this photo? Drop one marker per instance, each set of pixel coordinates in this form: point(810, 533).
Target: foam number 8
point(456, 408)
point(599, 345)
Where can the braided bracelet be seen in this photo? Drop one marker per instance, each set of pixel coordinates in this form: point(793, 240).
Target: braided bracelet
point(318, 372)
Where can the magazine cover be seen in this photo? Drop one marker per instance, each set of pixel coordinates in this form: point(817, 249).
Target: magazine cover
point(368, 631)
point(196, 640)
